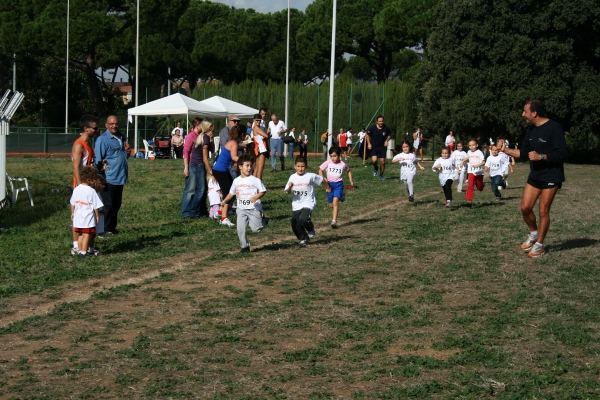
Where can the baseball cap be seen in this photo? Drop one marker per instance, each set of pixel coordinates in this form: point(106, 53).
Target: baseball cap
point(233, 117)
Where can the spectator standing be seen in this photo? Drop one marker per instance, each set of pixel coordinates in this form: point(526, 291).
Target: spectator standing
point(277, 129)
point(112, 151)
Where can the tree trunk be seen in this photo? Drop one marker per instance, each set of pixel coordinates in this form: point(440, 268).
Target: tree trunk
point(90, 73)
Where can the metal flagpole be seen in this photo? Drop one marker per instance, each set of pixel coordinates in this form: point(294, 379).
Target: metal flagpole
point(287, 75)
point(67, 74)
point(331, 79)
point(137, 75)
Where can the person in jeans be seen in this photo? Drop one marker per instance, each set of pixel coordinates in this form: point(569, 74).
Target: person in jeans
point(195, 170)
point(277, 129)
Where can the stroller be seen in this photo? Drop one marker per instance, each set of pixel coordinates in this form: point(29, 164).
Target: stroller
point(163, 146)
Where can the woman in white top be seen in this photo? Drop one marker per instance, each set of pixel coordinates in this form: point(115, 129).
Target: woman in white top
point(450, 141)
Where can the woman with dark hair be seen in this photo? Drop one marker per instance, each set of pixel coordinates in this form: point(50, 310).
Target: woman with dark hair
point(261, 151)
point(220, 171)
point(195, 173)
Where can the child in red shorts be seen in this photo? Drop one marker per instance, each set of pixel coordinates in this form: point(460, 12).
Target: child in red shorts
point(85, 205)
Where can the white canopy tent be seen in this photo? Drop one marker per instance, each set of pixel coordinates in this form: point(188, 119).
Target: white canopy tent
point(175, 105)
point(228, 107)
point(178, 105)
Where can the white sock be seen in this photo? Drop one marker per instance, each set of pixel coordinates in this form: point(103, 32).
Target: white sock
point(82, 252)
point(534, 233)
point(75, 244)
point(538, 244)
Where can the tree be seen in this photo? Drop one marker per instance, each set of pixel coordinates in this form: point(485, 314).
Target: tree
point(488, 58)
point(374, 30)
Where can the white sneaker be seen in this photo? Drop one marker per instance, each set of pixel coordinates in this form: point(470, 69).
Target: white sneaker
point(311, 234)
point(226, 222)
point(528, 244)
point(334, 224)
point(537, 250)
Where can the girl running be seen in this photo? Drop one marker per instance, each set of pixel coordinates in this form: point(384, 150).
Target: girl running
point(458, 156)
point(447, 173)
point(335, 192)
point(259, 136)
point(407, 161)
point(476, 162)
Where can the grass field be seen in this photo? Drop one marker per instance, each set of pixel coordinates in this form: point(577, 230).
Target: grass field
point(402, 301)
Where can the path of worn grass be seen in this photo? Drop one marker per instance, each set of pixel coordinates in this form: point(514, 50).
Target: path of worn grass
point(403, 301)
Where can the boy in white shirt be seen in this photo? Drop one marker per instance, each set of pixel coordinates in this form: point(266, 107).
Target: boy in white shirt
point(303, 200)
point(85, 204)
point(496, 165)
point(476, 161)
point(248, 190)
point(458, 155)
point(509, 162)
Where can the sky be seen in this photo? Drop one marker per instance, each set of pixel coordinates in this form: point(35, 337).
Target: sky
point(265, 6)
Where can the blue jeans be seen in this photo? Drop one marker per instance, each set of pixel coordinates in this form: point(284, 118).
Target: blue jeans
point(276, 147)
point(194, 191)
point(291, 150)
point(496, 181)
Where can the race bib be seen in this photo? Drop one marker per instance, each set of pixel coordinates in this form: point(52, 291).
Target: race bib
point(301, 193)
point(244, 203)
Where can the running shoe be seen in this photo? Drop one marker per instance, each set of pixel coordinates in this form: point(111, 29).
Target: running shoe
point(381, 177)
point(311, 234)
point(469, 203)
point(226, 222)
point(245, 250)
point(265, 221)
point(302, 243)
point(94, 252)
point(81, 255)
point(411, 198)
point(459, 191)
point(498, 198)
point(334, 224)
point(528, 244)
point(448, 203)
point(105, 235)
point(505, 184)
point(537, 250)
point(74, 251)
point(374, 172)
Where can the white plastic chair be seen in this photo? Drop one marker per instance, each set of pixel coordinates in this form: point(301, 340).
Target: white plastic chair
point(15, 192)
point(147, 147)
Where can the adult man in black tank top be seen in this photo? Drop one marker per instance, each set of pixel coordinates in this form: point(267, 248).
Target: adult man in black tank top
point(378, 137)
point(546, 149)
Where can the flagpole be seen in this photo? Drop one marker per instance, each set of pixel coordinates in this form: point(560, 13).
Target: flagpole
point(331, 79)
point(137, 75)
point(67, 74)
point(287, 73)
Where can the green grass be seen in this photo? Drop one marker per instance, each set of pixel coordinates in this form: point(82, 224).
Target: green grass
point(403, 301)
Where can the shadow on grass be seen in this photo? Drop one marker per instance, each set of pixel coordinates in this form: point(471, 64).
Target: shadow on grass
point(480, 205)
point(294, 245)
point(362, 221)
point(573, 244)
point(139, 243)
point(422, 202)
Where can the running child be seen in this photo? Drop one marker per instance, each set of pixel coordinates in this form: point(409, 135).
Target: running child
point(215, 197)
point(476, 162)
point(335, 168)
point(510, 161)
point(407, 161)
point(301, 185)
point(496, 165)
point(85, 203)
point(447, 173)
point(248, 190)
point(458, 156)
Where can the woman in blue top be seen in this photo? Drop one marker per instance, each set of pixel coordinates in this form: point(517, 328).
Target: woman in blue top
point(221, 170)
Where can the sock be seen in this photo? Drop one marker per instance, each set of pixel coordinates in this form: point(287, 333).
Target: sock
point(534, 233)
point(75, 244)
point(82, 252)
point(223, 218)
point(220, 212)
point(538, 244)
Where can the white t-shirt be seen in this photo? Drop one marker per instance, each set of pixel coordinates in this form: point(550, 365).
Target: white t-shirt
point(86, 200)
point(276, 129)
point(348, 138)
point(244, 189)
point(213, 192)
point(449, 140)
point(303, 190)
point(458, 156)
point(507, 161)
point(475, 157)
point(496, 164)
point(361, 136)
point(447, 169)
point(408, 163)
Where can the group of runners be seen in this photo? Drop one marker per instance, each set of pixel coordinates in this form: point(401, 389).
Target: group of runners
point(544, 146)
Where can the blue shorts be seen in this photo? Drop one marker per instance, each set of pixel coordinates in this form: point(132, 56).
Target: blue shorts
point(337, 190)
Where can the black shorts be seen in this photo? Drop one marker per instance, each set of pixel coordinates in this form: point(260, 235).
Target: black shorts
point(378, 152)
point(543, 185)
